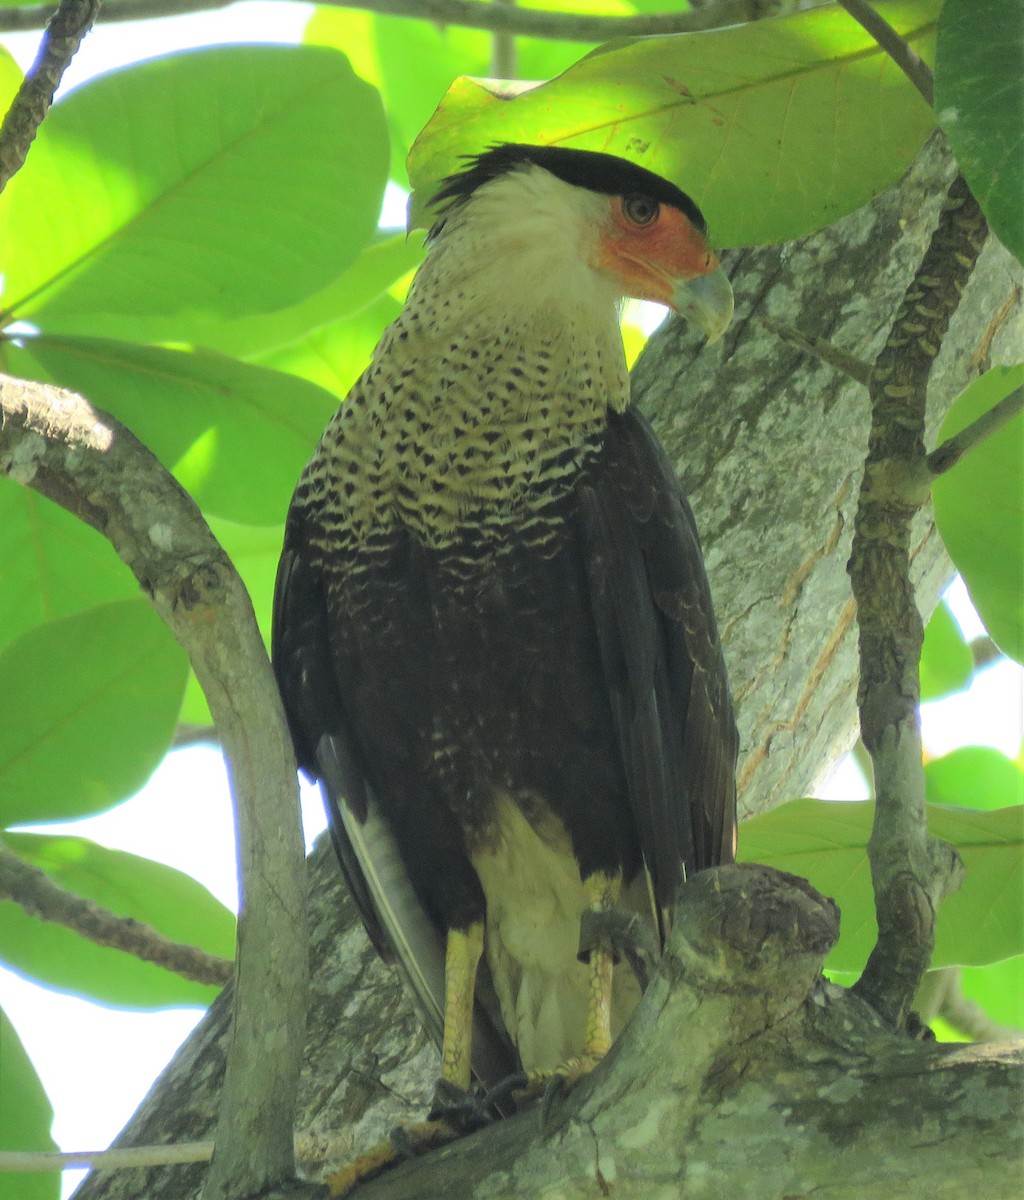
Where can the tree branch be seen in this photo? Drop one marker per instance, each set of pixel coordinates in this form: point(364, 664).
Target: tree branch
point(58, 444)
point(953, 449)
point(37, 894)
point(910, 872)
point(908, 61)
point(64, 32)
point(470, 14)
point(820, 348)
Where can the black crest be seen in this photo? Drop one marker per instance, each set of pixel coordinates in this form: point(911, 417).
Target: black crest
point(604, 173)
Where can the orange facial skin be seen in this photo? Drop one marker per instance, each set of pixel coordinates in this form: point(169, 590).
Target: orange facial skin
point(654, 257)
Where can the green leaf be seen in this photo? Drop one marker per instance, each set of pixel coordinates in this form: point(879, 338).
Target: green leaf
point(10, 79)
point(979, 98)
point(53, 563)
point(413, 62)
point(335, 356)
point(999, 989)
point(87, 708)
point(946, 661)
point(382, 264)
point(974, 777)
point(979, 510)
point(982, 922)
point(165, 197)
point(775, 127)
point(129, 886)
point(25, 1116)
point(824, 842)
point(236, 436)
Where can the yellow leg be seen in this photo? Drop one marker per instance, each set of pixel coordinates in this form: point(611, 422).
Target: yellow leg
point(462, 956)
point(602, 891)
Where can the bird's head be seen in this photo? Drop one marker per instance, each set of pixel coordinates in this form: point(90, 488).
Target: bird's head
point(638, 232)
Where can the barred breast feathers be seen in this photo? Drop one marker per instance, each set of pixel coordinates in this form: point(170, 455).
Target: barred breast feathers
point(482, 401)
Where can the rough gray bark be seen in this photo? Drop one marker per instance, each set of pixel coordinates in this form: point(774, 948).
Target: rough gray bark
point(814, 1096)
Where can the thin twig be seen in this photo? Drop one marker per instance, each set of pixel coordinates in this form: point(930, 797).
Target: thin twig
point(471, 14)
point(312, 1149)
point(856, 368)
point(898, 49)
point(38, 895)
point(64, 32)
point(953, 449)
point(504, 63)
point(40, 1161)
point(194, 735)
point(910, 872)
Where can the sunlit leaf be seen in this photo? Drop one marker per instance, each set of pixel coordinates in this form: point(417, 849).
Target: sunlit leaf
point(10, 79)
point(25, 1116)
point(53, 563)
point(979, 510)
point(775, 128)
point(235, 435)
point(87, 708)
point(335, 356)
point(974, 777)
point(824, 842)
point(999, 989)
point(381, 264)
point(946, 662)
point(164, 197)
point(979, 98)
point(129, 886)
point(413, 62)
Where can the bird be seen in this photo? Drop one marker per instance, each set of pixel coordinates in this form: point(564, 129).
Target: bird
point(493, 631)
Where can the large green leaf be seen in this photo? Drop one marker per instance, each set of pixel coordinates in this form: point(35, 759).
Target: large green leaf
point(999, 989)
point(974, 777)
point(775, 127)
point(10, 79)
point(979, 510)
point(824, 841)
point(235, 435)
point(53, 563)
point(25, 1117)
point(979, 98)
point(87, 708)
point(170, 195)
point(946, 661)
point(335, 356)
point(381, 264)
point(129, 886)
point(413, 62)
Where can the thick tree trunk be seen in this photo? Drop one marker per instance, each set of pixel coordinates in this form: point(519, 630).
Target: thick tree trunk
point(743, 1074)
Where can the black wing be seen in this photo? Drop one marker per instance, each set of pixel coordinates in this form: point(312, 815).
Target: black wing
point(661, 656)
point(326, 747)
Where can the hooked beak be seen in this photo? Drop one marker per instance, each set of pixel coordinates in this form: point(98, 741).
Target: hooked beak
point(706, 302)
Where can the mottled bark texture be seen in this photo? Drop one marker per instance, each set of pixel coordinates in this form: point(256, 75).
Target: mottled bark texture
point(742, 1075)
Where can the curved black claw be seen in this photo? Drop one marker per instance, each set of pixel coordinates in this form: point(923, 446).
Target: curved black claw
point(557, 1088)
point(405, 1151)
point(625, 934)
point(464, 1111)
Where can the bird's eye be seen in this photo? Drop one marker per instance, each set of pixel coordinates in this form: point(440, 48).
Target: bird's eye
point(641, 210)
